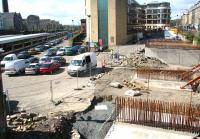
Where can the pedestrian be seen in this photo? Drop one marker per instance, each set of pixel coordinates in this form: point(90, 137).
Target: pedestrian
point(111, 53)
point(103, 65)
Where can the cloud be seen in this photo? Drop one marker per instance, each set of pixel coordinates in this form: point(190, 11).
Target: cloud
point(67, 10)
point(63, 10)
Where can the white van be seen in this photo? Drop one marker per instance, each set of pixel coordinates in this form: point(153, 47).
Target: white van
point(16, 67)
point(8, 58)
point(82, 63)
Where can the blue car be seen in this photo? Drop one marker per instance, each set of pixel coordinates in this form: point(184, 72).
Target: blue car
point(51, 52)
point(75, 48)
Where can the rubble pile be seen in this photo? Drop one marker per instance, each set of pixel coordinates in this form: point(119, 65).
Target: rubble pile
point(139, 60)
point(24, 121)
point(134, 85)
point(31, 125)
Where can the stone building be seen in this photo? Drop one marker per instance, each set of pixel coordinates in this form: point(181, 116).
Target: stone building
point(10, 22)
point(33, 23)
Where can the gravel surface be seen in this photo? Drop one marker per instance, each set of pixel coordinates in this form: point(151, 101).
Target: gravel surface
point(88, 124)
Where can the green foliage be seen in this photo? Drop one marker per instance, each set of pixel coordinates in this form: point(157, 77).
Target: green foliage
point(197, 38)
point(190, 36)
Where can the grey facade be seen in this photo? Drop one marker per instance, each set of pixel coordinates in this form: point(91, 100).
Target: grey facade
point(33, 23)
point(11, 22)
point(136, 17)
point(157, 15)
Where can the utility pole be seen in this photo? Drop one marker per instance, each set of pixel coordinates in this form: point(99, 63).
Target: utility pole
point(3, 124)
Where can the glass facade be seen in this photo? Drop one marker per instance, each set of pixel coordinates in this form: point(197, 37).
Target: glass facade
point(103, 21)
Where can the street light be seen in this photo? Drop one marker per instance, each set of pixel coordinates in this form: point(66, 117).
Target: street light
point(89, 29)
point(72, 25)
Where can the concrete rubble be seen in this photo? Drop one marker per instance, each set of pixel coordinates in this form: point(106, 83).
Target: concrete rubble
point(137, 59)
point(24, 121)
point(134, 85)
point(116, 85)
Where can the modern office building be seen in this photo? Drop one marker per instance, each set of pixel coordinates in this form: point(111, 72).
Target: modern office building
point(157, 15)
point(110, 21)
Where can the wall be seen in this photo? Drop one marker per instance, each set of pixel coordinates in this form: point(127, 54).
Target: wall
point(183, 57)
point(112, 23)
point(92, 22)
point(121, 22)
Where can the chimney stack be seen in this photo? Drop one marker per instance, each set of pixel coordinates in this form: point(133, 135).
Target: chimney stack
point(5, 6)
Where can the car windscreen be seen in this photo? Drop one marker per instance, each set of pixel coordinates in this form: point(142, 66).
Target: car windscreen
point(45, 66)
point(76, 62)
point(56, 58)
point(62, 49)
point(8, 58)
point(44, 59)
point(31, 66)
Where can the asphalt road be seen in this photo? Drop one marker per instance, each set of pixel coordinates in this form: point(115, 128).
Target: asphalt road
point(35, 92)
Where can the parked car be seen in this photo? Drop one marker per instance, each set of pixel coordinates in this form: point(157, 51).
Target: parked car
point(47, 45)
point(33, 59)
point(8, 58)
point(81, 50)
point(1, 50)
point(23, 55)
point(70, 51)
point(32, 51)
point(44, 59)
point(40, 48)
point(33, 68)
point(58, 59)
point(61, 52)
point(51, 52)
point(75, 48)
point(16, 67)
point(49, 67)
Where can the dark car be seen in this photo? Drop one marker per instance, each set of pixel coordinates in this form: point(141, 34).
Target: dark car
point(81, 50)
point(69, 51)
point(33, 59)
point(33, 68)
point(40, 48)
point(75, 48)
point(23, 55)
point(49, 67)
point(58, 59)
point(51, 52)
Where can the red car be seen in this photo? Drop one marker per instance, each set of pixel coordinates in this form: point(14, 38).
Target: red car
point(49, 67)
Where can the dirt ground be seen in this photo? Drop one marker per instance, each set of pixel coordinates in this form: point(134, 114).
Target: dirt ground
point(155, 89)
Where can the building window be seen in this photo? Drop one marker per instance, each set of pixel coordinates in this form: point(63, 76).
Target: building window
point(1, 24)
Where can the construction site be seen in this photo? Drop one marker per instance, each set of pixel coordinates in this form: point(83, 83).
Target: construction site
point(150, 89)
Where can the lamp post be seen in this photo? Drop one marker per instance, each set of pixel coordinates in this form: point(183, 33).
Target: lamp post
point(89, 30)
point(72, 25)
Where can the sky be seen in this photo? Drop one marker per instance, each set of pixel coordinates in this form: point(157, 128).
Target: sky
point(65, 11)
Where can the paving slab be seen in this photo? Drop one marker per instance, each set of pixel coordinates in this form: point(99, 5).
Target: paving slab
point(130, 131)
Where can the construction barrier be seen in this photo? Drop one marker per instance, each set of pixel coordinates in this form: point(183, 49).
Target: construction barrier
point(167, 115)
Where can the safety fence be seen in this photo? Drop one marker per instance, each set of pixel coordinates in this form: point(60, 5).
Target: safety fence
point(167, 115)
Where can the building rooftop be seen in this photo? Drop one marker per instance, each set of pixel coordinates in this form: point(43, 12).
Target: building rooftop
point(13, 38)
